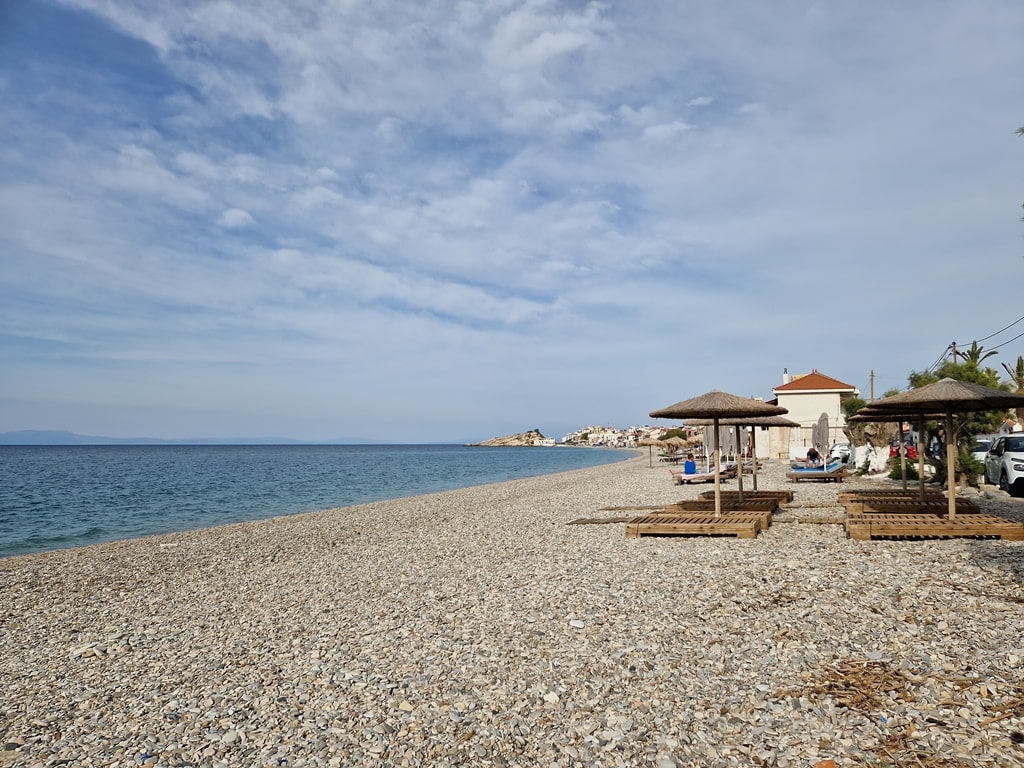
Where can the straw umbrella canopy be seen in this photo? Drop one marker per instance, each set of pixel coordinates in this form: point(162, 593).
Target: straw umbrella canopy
point(650, 442)
point(676, 442)
point(949, 396)
point(753, 422)
point(716, 405)
point(869, 413)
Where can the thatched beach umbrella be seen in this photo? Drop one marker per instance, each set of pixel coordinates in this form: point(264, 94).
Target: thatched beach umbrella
point(650, 442)
point(717, 405)
point(949, 396)
point(868, 413)
point(753, 422)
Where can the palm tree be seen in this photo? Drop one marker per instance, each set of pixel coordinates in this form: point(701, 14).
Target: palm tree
point(976, 355)
point(1017, 380)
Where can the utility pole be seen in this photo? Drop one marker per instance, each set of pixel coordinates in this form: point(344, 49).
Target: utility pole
point(952, 347)
point(872, 386)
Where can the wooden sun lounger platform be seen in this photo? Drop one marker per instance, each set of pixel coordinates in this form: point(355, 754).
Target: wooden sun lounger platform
point(733, 505)
point(899, 506)
point(783, 497)
point(761, 508)
point(902, 526)
point(890, 493)
point(821, 477)
point(743, 525)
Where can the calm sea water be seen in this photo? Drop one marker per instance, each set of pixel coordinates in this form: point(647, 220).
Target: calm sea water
point(55, 497)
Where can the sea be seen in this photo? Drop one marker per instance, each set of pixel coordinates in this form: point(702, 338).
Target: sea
point(58, 497)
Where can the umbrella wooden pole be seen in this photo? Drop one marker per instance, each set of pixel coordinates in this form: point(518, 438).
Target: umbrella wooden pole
point(718, 478)
point(920, 457)
point(753, 454)
point(739, 463)
point(903, 456)
point(950, 469)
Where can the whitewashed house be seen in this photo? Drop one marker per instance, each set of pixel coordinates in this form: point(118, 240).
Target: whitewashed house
point(806, 397)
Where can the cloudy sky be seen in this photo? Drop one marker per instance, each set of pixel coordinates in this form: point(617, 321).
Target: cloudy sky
point(445, 221)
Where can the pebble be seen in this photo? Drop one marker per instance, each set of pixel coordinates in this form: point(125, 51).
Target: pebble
point(476, 627)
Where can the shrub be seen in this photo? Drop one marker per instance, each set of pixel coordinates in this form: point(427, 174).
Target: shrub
point(894, 470)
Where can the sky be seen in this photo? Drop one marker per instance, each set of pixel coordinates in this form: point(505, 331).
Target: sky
point(446, 221)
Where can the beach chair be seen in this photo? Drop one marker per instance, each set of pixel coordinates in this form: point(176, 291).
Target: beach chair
point(681, 478)
point(834, 472)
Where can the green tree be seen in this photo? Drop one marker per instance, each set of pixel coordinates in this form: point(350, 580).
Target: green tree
point(851, 405)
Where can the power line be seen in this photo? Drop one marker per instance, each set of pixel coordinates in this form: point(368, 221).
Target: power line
point(997, 346)
point(1003, 329)
point(938, 360)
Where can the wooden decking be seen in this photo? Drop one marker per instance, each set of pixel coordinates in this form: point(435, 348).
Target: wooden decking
point(898, 514)
point(783, 497)
point(866, 527)
point(940, 506)
point(889, 493)
point(743, 525)
point(696, 517)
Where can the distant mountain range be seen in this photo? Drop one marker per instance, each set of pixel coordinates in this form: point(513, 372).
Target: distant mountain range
point(59, 437)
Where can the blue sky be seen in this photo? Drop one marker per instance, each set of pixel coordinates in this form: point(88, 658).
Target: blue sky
point(431, 221)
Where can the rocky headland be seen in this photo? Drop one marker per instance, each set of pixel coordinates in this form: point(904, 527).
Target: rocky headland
point(531, 438)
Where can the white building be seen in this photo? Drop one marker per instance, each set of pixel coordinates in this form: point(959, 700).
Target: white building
point(806, 397)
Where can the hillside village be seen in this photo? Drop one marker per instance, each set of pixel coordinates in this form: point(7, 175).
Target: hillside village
point(806, 397)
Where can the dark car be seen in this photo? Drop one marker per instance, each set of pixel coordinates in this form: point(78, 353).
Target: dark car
point(910, 449)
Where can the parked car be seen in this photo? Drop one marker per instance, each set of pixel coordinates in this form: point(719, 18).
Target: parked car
point(980, 446)
point(840, 451)
point(910, 449)
point(1004, 464)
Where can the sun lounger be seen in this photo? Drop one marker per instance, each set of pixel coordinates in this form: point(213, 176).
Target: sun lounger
point(708, 476)
point(834, 473)
point(679, 478)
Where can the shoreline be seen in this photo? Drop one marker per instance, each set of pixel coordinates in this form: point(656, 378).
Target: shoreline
point(475, 627)
point(224, 495)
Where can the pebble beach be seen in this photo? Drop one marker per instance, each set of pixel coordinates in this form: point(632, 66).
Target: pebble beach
point(478, 627)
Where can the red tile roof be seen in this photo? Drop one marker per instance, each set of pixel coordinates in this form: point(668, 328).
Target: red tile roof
point(814, 380)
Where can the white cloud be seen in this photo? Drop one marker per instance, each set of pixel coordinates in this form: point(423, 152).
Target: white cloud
point(235, 218)
point(665, 131)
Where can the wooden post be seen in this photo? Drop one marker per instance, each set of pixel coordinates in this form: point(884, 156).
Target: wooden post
point(903, 455)
point(739, 462)
point(718, 478)
point(920, 456)
point(950, 468)
point(753, 453)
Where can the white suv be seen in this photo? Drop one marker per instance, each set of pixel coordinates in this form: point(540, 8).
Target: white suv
point(1004, 463)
